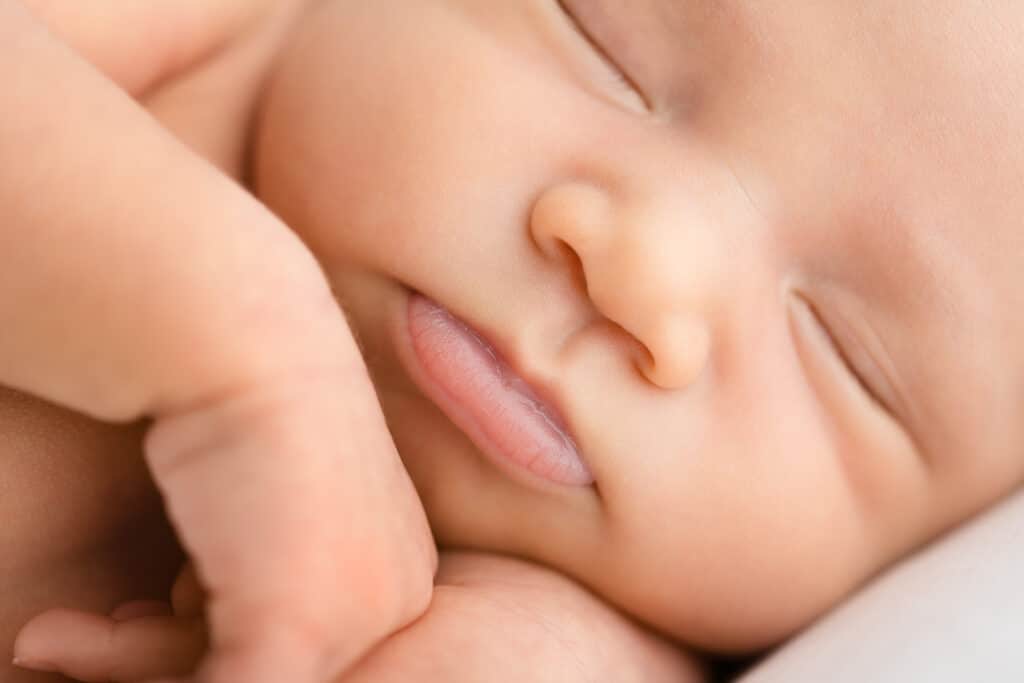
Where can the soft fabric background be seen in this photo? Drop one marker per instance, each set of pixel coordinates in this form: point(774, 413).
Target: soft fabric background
point(954, 612)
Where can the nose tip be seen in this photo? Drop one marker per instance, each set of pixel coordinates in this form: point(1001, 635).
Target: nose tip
point(677, 347)
point(630, 276)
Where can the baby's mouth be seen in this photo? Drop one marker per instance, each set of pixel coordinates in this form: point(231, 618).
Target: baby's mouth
point(482, 394)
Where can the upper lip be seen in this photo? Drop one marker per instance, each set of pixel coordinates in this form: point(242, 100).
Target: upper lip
point(545, 390)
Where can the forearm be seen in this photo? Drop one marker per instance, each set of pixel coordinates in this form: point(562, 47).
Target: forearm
point(139, 44)
point(146, 251)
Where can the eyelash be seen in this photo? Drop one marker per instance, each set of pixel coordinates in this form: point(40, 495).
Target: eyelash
point(617, 75)
point(839, 350)
point(844, 358)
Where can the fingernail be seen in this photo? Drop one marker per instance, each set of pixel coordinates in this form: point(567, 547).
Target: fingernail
point(34, 664)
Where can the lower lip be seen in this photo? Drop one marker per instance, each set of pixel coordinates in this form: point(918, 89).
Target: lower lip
point(486, 399)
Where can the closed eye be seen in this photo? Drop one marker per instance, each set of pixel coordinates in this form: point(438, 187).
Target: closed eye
point(616, 76)
point(856, 370)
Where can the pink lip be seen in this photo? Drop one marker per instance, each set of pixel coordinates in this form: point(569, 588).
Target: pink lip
point(481, 393)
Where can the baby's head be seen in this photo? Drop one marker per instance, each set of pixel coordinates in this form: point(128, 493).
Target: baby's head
point(765, 261)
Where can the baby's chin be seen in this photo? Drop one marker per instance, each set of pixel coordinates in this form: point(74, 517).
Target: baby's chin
point(741, 611)
point(725, 619)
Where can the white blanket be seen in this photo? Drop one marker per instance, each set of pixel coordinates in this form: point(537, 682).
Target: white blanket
point(952, 613)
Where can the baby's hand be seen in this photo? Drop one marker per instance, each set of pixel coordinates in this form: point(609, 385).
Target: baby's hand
point(491, 619)
point(138, 282)
point(137, 641)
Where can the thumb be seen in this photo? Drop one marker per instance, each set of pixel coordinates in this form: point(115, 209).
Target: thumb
point(305, 531)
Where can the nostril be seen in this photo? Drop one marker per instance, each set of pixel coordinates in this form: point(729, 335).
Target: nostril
point(572, 215)
point(549, 245)
point(678, 349)
point(613, 258)
point(574, 265)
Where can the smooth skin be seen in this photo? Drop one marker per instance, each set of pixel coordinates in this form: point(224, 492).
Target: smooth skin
point(84, 529)
point(140, 282)
point(766, 260)
point(490, 618)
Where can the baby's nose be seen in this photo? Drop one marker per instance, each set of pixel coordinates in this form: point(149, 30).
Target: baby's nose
point(649, 271)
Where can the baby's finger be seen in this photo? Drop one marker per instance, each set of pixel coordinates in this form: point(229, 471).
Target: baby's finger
point(187, 595)
point(93, 648)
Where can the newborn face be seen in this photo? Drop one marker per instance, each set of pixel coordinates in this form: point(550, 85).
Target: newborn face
point(757, 264)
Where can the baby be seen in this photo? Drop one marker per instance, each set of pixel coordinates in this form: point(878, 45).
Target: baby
point(713, 308)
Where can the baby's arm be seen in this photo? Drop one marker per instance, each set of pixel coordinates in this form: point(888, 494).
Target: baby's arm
point(491, 619)
point(139, 44)
point(139, 282)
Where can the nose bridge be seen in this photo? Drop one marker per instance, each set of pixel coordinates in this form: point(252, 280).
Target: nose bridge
point(661, 259)
point(652, 262)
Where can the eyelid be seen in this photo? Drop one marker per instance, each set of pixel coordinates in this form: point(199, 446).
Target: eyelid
point(877, 389)
point(877, 370)
point(830, 382)
point(846, 344)
point(615, 70)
